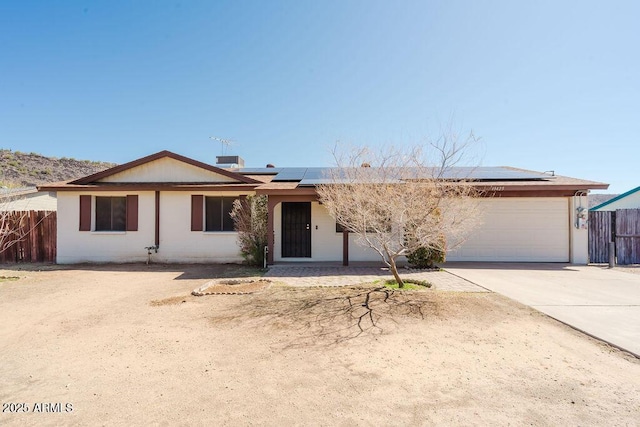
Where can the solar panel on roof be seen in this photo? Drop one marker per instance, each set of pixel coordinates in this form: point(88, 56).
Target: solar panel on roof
point(319, 175)
point(502, 173)
point(290, 174)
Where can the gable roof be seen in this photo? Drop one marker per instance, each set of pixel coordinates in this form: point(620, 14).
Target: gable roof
point(615, 199)
point(92, 179)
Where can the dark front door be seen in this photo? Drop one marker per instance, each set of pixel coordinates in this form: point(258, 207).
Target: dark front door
point(296, 229)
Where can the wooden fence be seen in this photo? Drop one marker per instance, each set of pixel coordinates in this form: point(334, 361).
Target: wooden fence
point(628, 236)
point(28, 236)
point(600, 234)
point(621, 227)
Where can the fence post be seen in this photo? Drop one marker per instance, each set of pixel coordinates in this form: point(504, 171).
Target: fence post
point(612, 254)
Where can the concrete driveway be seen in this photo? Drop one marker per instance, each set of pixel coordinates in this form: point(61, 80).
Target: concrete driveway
point(601, 302)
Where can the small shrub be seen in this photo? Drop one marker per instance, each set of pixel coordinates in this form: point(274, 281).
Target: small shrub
point(425, 257)
point(409, 284)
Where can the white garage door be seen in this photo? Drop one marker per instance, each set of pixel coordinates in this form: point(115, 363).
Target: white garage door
point(519, 230)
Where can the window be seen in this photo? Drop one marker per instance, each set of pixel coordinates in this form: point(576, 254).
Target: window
point(218, 213)
point(111, 213)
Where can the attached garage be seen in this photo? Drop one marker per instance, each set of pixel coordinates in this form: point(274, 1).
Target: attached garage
point(519, 230)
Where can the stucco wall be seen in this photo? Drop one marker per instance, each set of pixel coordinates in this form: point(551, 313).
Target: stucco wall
point(579, 236)
point(40, 201)
point(177, 242)
point(166, 170)
point(511, 229)
point(105, 246)
point(326, 244)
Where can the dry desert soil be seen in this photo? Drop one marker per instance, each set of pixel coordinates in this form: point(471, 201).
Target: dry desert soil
point(128, 345)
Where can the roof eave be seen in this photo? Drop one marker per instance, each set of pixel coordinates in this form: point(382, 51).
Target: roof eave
point(154, 186)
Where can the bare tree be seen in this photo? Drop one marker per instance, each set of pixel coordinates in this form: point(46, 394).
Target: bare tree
point(397, 201)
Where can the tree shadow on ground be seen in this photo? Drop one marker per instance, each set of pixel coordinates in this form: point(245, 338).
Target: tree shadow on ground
point(329, 316)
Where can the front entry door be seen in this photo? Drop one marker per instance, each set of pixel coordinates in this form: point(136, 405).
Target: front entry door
point(296, 229)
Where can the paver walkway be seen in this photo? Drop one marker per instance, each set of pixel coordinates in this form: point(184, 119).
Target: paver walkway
point(318, 274)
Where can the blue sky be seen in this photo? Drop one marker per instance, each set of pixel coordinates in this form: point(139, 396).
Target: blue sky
point(547, 85)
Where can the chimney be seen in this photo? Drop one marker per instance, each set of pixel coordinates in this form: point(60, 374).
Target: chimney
point(229, 162)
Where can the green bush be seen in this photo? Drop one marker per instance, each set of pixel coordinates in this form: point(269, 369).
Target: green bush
point(250, 221)
point(425, 257)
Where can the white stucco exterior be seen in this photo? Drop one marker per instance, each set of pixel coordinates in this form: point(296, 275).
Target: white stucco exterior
point(76, 246)
point(512, 229)
point(166, 170)
point(177, 242)
point(579, 234)
point(36, 201)
point(326, 244)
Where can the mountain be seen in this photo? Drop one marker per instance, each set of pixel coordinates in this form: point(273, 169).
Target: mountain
point(19, 169)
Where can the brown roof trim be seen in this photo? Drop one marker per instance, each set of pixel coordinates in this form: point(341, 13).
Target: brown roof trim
point(502, 187)
point(159, 155)
point(151, 186)
point(535, 192)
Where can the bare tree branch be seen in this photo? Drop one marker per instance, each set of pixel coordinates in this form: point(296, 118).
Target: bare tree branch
point(398, 200)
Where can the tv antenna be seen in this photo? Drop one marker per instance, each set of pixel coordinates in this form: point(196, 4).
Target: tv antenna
point(224, 143)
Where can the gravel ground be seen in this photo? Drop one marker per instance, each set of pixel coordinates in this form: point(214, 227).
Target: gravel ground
point(129, 345)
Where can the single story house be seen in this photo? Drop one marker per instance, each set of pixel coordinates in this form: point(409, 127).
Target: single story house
point(628, 200)
point(182, 206)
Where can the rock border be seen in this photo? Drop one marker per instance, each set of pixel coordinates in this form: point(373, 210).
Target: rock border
point(202, 290)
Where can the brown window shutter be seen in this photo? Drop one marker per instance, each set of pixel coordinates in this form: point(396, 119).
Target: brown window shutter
point(197, 203)
point(85, 213)
point(132, 212)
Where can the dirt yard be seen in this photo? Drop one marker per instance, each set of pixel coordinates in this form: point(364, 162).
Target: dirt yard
point(129, 345)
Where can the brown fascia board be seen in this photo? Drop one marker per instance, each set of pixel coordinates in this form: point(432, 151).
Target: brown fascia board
point(538, 186)
point(146, 186)
point(488, 189)
point(159, 155)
